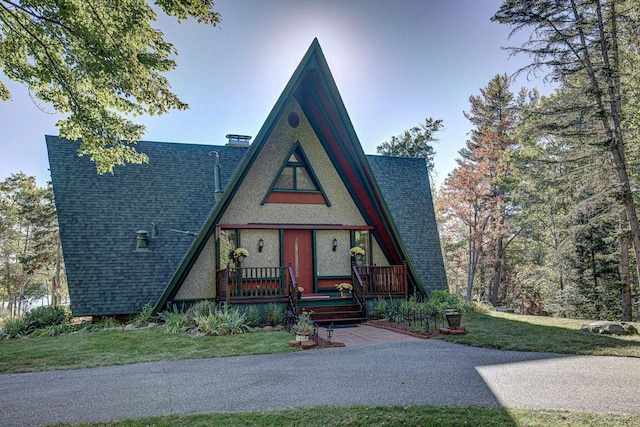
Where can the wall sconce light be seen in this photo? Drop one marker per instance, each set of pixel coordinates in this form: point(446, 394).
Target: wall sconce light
point(334, 244)
point(260, 245)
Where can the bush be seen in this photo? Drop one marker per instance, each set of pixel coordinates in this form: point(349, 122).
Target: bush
point(275, 314)
point(226, 322)
point(14, 326)
point(53, 330)
point(253, 316)
point(202, 308)
point(144, 316)
point(49, 315)
point(175, 320)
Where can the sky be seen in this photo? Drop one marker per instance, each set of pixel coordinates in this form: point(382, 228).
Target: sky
point(395, 63)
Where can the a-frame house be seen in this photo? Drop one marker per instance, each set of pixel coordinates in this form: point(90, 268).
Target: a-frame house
point(297, 199)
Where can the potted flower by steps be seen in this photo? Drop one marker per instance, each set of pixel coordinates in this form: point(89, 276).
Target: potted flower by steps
point(304, 326)
point(345, 289)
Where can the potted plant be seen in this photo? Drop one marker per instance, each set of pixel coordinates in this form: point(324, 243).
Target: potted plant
point(304, 326)
point(449, 304)
point(345, 289)
point(240, 254)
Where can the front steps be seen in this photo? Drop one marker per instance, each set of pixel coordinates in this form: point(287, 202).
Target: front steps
point(327, 309)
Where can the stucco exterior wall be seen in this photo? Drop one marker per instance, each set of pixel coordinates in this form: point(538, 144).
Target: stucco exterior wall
point(246, 208)
point(331, 263)
point(270, 255)
point(378, 256)
point(201, 280)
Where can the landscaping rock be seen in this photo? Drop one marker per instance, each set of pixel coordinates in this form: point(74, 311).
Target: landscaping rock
point(130, 327)
point(152, 325)
point(267, 328)
point(307, 344)
point(614, 328)
point(278, 328)
point(257, 329)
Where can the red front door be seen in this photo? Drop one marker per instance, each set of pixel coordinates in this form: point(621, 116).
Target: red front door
point(298, 253)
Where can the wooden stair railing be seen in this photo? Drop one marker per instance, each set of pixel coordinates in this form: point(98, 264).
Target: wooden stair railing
point(359, 290)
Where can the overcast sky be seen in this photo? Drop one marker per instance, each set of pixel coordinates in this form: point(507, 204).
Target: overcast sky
point(395, 63)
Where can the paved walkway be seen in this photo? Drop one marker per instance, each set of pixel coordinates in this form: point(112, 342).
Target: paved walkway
point(357, 335)
point(413, 372)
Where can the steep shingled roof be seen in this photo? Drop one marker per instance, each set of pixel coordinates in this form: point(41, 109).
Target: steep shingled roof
point(100, 214)
point(404, 183)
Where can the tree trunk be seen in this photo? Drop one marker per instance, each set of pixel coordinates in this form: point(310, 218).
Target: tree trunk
point(625, 276)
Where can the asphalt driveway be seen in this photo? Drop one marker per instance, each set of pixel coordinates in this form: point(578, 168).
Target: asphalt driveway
point(412, 372)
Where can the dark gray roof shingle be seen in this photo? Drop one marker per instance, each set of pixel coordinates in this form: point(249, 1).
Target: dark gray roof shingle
point(100, 214)
point(404, 183)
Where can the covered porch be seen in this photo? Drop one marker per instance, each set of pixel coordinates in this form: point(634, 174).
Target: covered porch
point(254, 285)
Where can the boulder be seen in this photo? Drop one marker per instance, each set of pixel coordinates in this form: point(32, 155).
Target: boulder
point(614, 328)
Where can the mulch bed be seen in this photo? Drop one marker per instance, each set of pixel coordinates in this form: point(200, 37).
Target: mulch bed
point(322, 343)
point(402, 329)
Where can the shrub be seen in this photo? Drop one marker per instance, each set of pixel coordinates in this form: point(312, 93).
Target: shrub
point(444, 300)
point(475, 306)
point(202, 308)
point(144, 316)
point(379, 310)
point(230, 321)
point(275, 314)
point(14, 326)
point(175, 319)
point(253, 316)
point(53, 330)
point(47, 316)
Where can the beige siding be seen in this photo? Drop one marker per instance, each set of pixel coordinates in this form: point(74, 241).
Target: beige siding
point(200, 282)
point(270, 255)
point(378, 256)
point(331, 263)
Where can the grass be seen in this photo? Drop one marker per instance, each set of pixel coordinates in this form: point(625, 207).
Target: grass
point(506, 331)
point(106, 348)
point(389, 415)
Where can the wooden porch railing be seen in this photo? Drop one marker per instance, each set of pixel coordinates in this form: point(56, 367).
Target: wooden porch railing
point(359, 289)
point(251, 282)
point(293, 289)
point(381, 280)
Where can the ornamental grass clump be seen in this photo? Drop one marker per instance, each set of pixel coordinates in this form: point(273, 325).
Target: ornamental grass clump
point(175, 320)
point(226, 322)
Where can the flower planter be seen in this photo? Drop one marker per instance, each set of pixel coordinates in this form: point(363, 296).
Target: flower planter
point(345, 294)
point(302, 337)
point(453, 319)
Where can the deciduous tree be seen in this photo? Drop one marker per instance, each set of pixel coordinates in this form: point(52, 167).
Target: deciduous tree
point(99, 62)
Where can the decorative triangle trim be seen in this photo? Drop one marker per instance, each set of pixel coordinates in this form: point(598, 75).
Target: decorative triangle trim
point(296, 181)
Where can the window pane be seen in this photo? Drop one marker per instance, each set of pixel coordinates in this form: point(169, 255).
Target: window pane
point(362, 241)
point(303, 180)
point(285, 182)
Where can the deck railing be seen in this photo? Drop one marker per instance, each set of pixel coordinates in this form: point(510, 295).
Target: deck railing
point(383, 280)
point(251, 282)
point(280, 282)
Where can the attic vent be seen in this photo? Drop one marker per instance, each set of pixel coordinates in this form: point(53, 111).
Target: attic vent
point(238, 140)
point(142, 243)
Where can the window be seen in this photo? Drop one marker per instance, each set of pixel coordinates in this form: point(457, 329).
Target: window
point(296, 183)
point(361, 239)
point(295, 175)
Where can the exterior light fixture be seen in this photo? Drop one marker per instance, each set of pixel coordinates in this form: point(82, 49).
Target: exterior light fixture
point(335, 244)
point(260, 245)
point(329, 330)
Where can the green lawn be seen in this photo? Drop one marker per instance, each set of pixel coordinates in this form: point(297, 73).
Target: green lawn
point(86, 350)
point(389, 416)
point(535, 333)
